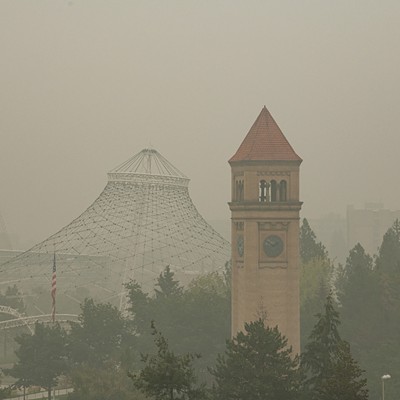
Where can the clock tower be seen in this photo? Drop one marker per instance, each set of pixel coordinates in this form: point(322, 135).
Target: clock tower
point(265, 210)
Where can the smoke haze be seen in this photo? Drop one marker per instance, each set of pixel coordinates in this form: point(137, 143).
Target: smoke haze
point(84, 85)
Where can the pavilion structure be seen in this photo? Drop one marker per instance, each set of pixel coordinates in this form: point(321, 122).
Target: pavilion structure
point(143, 221)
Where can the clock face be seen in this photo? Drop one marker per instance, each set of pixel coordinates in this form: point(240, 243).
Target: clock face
point(273, 246)
point(240, 245)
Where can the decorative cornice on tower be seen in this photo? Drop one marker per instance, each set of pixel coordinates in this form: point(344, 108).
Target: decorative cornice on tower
point(265, 142)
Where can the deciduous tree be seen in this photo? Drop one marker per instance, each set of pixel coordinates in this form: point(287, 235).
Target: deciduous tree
point(101, 335)
point(110, 382)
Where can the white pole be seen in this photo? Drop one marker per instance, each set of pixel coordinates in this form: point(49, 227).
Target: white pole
point(384, 377)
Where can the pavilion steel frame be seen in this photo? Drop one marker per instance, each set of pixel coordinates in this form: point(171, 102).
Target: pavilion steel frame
point(143, 220)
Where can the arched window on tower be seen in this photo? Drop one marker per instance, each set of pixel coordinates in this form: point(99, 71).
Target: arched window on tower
point(282, 190)
point(263, 191)
point(274, 191)
point(239, 189)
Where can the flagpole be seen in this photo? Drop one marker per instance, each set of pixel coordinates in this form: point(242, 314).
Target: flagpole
point(53, 289)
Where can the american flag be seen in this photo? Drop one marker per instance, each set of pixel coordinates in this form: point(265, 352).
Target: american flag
point(53, 290)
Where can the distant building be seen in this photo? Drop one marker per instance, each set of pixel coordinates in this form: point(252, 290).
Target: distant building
point(367, 226)
point(330, 230)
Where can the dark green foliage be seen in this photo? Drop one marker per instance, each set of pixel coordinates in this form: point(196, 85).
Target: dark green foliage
point(195, 319)
point(359, 296)
point(345, 380)
point(388, 267)
point(310, 249)
point(107, 383)
point(324, 343)
point(257, 365)
point(315, 279)
point(5, 392)
point(168, 286)
point(370, 298)
point(12, 298)
point(42, 357)
point(101, 335)
point(332, 372)
point(167, 375)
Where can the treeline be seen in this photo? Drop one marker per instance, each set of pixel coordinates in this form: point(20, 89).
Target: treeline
point(108, 356)
point(367, 294)
point(95, 354)
point(183, 333)
point(174, 345)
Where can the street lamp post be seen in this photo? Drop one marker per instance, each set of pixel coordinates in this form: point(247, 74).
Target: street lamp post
point(384, 377)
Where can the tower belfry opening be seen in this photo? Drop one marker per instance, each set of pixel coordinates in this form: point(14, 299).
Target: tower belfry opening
point(265, 230)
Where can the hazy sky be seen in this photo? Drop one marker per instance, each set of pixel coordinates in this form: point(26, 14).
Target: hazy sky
point(86, 84)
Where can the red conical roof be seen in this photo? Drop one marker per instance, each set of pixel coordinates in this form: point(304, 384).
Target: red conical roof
point(265, 142)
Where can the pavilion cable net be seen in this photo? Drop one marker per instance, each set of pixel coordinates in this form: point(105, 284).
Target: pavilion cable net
point(5, 242)
point(143, 221)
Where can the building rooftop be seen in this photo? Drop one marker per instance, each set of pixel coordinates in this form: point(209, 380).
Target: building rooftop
point(265, 142)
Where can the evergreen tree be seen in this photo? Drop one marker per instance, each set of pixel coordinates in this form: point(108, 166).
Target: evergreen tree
point(382, 354)
point(358, 293)
point(315, 278)
point(140, 306)
point(168, 286)
point(332, 372)
point(388, 267)
point(310, 249)
point(42, 357)
point(193, 319)
point(166, 307)
point(257, 365)
point(315, 284)
point(167, 376)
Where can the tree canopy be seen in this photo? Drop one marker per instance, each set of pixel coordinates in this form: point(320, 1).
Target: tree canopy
point(193, 319)
point(257, 364)
point(310, 249)
point(315, 279)
point(166, 375)
point(368, 293)
point(332, 373)
point(42, 357)
point(100, 336)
